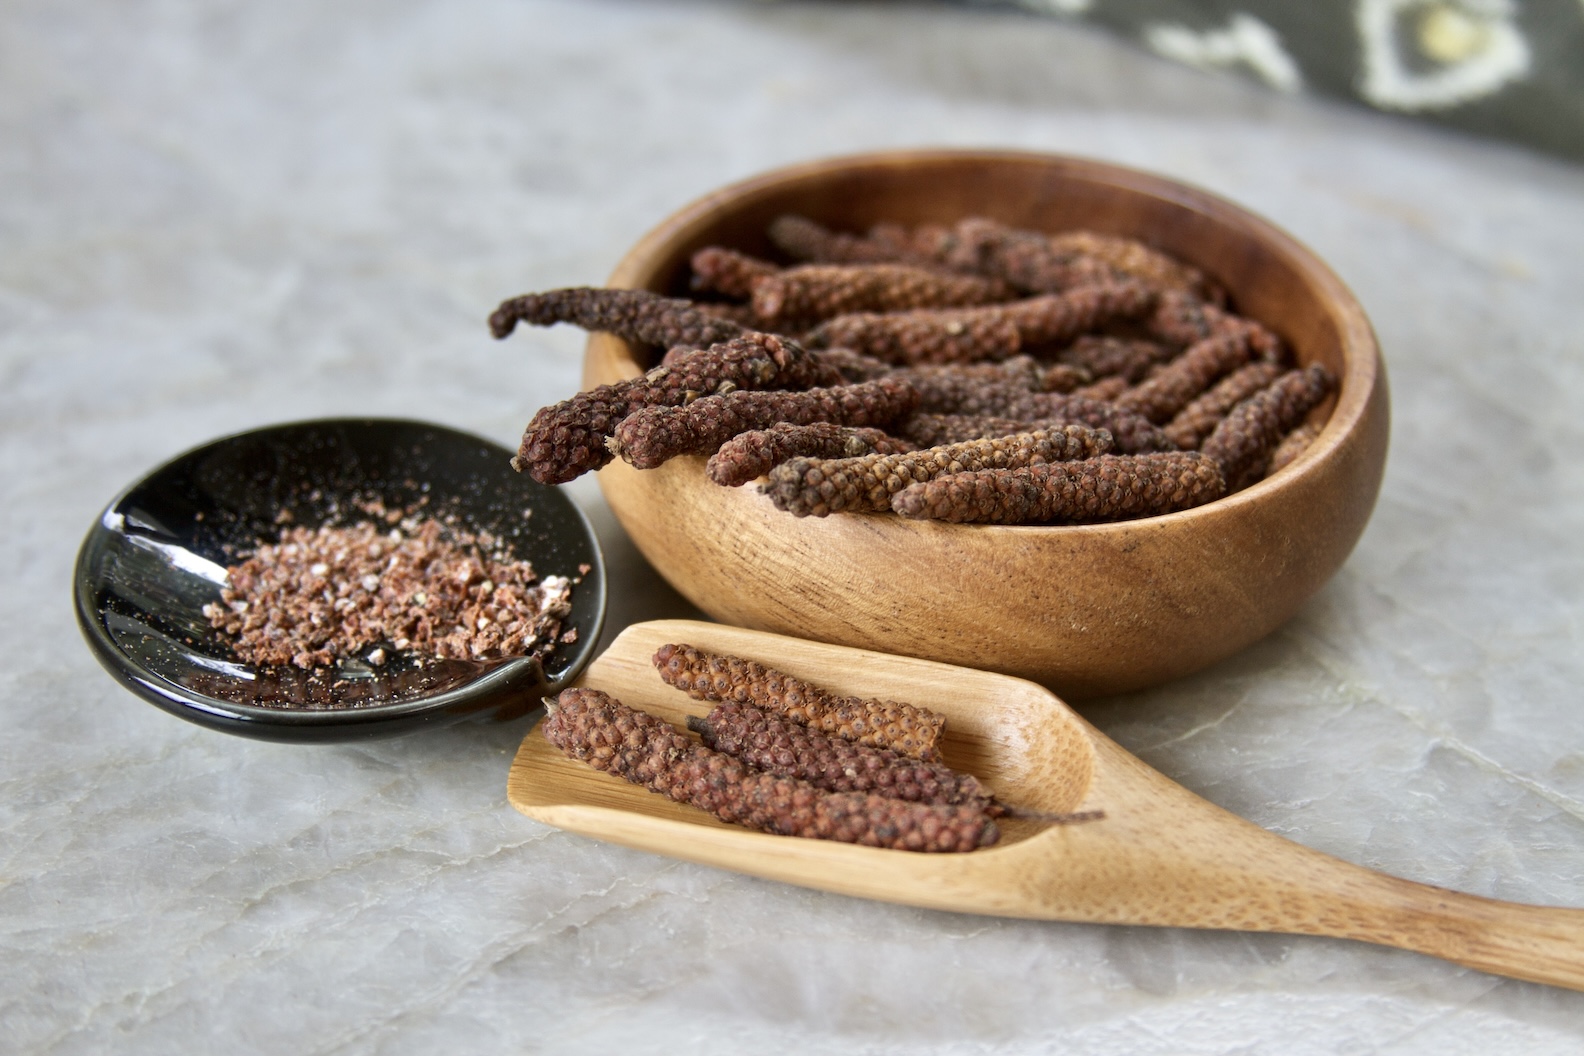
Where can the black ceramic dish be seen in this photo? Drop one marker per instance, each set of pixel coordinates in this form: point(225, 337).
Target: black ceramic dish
point(158, 554)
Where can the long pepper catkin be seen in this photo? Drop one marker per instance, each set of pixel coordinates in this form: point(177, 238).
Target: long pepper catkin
point(752, 454)
point(904, 728)
point(933, 430)
point(595, 728)
point(804, 239)
point(1134, 259)
point(809, 487)
point(633, 315)
point(1198, 420)
point(965, 335)
point(1175, 385)
point(652, 435)
point(1292, 445)
point(1103, 355)
point(717, 269)
point(780, 746)
point(567, 439)
point(1133, 433)
point(1242, 443)
point(1183, 319)
point(1107, 488)
point(1026, 259)
point(811, 293)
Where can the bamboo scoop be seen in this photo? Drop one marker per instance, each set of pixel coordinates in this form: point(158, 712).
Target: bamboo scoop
point(1159, 855)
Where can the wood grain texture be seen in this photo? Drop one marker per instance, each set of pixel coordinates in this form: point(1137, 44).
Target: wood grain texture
point(1087, 610)
point(1158, 856)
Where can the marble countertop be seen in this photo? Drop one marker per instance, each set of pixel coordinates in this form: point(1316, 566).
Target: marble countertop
point(219, 215)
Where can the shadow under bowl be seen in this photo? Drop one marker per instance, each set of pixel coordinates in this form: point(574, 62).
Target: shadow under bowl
point(159, 552)
point(1087, 610)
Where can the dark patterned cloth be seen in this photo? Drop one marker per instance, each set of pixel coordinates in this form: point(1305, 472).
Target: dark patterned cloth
point(1507, 68)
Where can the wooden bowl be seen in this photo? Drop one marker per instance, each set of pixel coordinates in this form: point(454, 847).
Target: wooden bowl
point(1086, 610)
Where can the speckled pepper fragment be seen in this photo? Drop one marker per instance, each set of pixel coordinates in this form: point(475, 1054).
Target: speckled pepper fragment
point(810, 293)
point(1172, 387)
point(597, 729)
point(992, 332)
point(904, 728)
point(651, 436)
point(1107, 488)
point(633, 315)
point(720, 270)
point(778, 746)
point(810, 487)
point(1243, 442)
point(567, 439)
point(752, 454)
point(1198, 420)
point(1133, 433)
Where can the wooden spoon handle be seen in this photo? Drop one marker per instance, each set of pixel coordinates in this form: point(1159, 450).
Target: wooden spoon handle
point(1538, 943)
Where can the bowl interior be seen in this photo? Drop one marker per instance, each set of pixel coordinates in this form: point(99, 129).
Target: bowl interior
point(159, 553)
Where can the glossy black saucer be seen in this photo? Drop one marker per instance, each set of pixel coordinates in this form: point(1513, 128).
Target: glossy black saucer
point(159, 551)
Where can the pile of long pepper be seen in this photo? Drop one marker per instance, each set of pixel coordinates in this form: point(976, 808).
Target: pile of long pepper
point(784, 756)
point(972, 372)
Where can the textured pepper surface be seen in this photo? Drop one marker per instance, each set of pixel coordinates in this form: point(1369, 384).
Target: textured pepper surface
point(1027, 259)
point(721, 270)
point(933, 430)
point(1175, 385)
point(1105, 356)
point(1134, 259)
point(964, 335)
point(633, 315)
point(804, 239)
point(1107, 488)
point(1132, 432)
point(597, 729)
point(650, 436)
point(815, 487)
point(750, 455)
point(810, 293)
point(1183, 319)
point(779, 746)
point(1292, 445)
point(1198, 420)
point(1243, 442)
point(904, 728)
point(567, 439)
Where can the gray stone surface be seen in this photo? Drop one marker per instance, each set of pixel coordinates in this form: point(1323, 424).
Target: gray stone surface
point(221, 215)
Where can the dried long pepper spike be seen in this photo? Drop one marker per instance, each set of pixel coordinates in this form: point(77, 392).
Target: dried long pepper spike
point(811, 293)
point(1134, 434)
point(1027, 259)
point(932, 430)
point(752, 454)
point(779, 746)
point(913, 731)
point(1292, 445)
point(1103, 355)
point(963, 335)
point(807, 487)
point(804, 239)
point(1133, 258)
point(567, 439)
point(1198, 420)
point(726, 271)
point(653, 435)
point(595, 728)
point(853, 366)
point(633, 315)
point(1107, 389)
point(1175, 385)
point(1243, 442)
point(1107, 488)
point(1183, 319)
